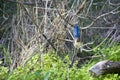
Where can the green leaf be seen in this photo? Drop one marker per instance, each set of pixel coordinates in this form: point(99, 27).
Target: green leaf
point(37, 73)
point(47, 75)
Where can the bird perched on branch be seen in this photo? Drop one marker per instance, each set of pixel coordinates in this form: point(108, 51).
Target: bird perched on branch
point(76, 33)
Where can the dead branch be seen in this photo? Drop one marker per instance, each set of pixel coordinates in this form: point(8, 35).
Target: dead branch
point(111, 12)
point(105, 67)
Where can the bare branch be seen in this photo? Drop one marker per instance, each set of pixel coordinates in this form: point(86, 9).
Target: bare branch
point(111, 12)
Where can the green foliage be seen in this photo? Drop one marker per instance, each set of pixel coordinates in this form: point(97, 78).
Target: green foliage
point(3, 72)
point(112, 53)
point(51, 67)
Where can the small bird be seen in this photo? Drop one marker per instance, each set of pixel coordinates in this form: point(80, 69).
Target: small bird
point(76, 33)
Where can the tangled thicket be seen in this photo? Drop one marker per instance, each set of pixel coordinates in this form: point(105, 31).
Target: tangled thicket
point(29, 27)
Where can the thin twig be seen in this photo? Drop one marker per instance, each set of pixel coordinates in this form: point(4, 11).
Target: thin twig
point(100, 43)
point(111, 12)
point(89, 7)
point(34, 23)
